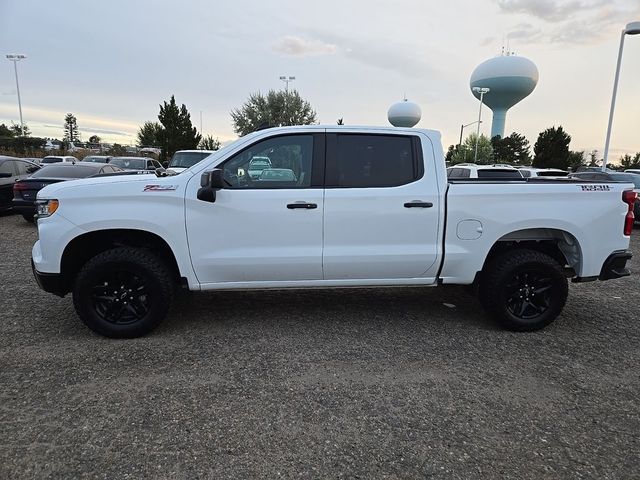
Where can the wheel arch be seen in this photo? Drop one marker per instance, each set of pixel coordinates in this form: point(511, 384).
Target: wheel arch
point(83, 247)
point(559, 244)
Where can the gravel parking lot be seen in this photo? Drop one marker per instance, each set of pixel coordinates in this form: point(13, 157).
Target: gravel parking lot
point(394, 383)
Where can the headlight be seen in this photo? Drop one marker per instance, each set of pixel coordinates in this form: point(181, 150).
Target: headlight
point(46, 208)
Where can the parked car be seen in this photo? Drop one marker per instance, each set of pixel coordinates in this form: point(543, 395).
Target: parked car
point(486, 172)
point(632, 170)
point(135, 163)
point(184, 159)
point(613, 176)
point(374, 208)
point(58, 159)
point(277, 175)
point(25, 190)
point(96, 158)
point(257, 165)
point(528, 172)
point(12, 170)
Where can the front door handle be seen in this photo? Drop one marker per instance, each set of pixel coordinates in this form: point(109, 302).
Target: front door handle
point(308, 206)
point(418, 204)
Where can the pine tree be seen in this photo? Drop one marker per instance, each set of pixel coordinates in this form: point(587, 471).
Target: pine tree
point(552, 149)
point(71, 133)
point(178, 132)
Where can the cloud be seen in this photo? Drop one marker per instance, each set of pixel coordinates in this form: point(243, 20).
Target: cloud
point(301, 47)
point(568, 21)
point(487, 41)
point(92, 130)
point(525, 33)
point(549, 10)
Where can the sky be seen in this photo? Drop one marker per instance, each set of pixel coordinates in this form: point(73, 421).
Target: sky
point(112, 63)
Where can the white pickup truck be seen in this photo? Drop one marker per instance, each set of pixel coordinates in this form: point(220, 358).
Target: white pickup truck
point(363, 207)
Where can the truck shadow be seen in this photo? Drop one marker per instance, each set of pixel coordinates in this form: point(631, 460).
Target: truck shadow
point(431, 307)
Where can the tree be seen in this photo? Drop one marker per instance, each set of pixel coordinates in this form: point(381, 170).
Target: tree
point(94, 139)
point(465, 153)
point(209, 143)
point(575, 160)
point(593, 159)
point(71, 128)
point(627, 161)
point(178, 132)
point(150, 134)
point(340, 121)
point(513, 149)
point(277, 108)
point(20, 132)
point(5, 132)
point(117, 150)
point(552, 149)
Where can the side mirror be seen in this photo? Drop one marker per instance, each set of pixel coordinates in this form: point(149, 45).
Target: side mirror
point(33, 169)
point(210, 183)
point(165, 164)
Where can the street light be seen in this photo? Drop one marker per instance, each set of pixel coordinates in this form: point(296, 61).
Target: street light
point(462, 127)
point(481, 91)
point(15, 58)
point(632, 28)
point(286, 80)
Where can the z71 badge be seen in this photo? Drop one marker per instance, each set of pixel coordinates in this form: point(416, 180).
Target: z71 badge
point(159, 188)
point(595, 188)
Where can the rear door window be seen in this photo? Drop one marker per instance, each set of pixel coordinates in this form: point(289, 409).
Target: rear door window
point(369, 160)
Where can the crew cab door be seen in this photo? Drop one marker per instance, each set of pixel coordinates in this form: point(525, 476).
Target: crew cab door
point(264, 228)
point(382, 207)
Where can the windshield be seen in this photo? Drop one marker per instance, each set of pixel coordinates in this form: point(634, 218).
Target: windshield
point(626, 177)
point(129, 163)
point(498, 173)
point(64, 171)
point(187, 159)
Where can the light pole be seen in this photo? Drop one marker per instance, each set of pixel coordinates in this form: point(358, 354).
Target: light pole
point(286, 80)
point(481, 91)
point(15, 58)
point(462, 127)
point(632, 28)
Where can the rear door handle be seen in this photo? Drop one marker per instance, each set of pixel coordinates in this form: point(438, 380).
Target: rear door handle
point(308, 206)
point(418, 204)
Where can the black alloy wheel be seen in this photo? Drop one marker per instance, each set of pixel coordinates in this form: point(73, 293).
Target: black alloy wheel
point(523, 290)
point(124, 292)
point(120, 297)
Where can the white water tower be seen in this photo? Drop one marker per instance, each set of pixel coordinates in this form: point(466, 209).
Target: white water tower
point(509, 78)
point(404, 114)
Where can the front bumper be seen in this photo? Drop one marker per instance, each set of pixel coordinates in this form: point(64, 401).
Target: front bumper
point(51, 282)
point(615, 266)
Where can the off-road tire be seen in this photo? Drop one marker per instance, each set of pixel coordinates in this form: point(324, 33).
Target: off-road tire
point(523, 277)
point(116, 268)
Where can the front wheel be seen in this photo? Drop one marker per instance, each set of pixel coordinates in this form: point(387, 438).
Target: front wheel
point(124, 292)
point(523, 290)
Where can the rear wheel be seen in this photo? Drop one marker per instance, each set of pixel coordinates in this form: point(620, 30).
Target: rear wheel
point(523, 290)
point(123, 293)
